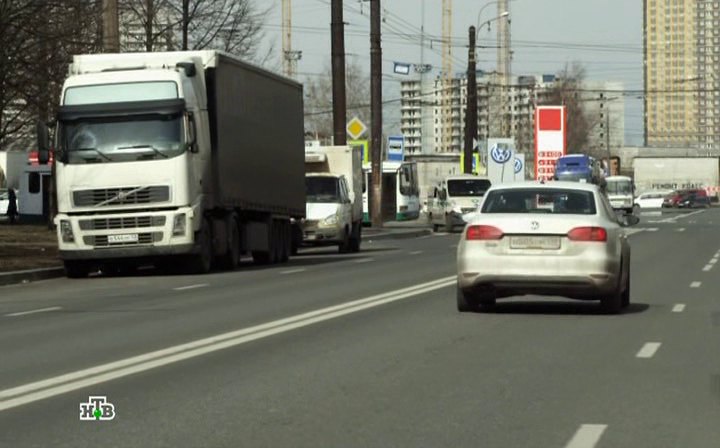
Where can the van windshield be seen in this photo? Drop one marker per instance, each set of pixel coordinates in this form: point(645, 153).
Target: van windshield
point(468, 187)
point(319, 189)
point(619, 187)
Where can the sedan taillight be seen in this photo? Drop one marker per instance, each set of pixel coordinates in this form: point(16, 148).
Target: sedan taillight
point(476, 233)
point(598, 234)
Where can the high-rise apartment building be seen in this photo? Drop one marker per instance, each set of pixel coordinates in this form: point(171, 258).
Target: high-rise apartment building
point(682, 64)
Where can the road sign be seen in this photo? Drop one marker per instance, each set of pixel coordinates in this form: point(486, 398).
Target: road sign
point(365, 151)
point(401, 68)
point(476, 163)
point(396, 148)
point(500, 155)
point(356, 128)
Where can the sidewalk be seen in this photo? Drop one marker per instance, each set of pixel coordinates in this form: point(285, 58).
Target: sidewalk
point(398, 230)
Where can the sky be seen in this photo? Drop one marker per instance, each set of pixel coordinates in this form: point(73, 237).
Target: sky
point(604, 35)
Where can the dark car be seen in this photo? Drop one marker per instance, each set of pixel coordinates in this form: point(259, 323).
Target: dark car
point(692, 198)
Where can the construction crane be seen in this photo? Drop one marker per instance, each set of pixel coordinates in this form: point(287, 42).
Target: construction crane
point(446, 84)
point(290, 57)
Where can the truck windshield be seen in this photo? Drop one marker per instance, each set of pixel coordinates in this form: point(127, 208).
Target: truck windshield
point(320, 189)
point(619, 187)
point(122, 139)
point(468, 187)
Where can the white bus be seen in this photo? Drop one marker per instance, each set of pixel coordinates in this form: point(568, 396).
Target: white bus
point(400, 190)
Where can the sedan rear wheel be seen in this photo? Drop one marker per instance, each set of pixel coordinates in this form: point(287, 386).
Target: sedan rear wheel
point(465, 303)
point(626, 290)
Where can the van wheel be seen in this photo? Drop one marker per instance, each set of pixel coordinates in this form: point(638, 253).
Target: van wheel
point(356, 238)
point(448, 224)
point(344, 246)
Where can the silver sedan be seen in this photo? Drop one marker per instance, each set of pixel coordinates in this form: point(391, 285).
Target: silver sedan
point(554, 239)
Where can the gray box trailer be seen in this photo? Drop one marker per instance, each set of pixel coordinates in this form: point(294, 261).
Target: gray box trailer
point(257, 134)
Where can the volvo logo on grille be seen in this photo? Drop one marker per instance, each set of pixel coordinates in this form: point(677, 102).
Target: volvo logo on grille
point(534, 225)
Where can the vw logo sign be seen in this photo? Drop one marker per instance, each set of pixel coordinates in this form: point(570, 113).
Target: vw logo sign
point(518, 166)
point(534, 225)
point(500, 155)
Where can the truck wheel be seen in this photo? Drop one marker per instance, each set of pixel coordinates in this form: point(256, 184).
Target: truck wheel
point(297, 237)
point(286, 234)
point(356, 239)
point(261, 257)
point(435, 228)
point(76, 269)
point(201, 263)
point(232, 256)
point(344, 246)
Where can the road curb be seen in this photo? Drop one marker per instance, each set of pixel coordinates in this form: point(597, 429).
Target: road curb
point(398, 235)
point(30, 275)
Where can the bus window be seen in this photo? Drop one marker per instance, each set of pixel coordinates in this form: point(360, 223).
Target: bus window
point(406, 184)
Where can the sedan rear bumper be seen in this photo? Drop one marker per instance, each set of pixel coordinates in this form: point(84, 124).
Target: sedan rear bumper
point(582, 287)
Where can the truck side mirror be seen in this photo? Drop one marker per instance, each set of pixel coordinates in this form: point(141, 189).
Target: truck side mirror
point(43, 143)
point(351, 196)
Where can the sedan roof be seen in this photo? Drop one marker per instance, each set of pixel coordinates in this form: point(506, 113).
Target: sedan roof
point(565, 185)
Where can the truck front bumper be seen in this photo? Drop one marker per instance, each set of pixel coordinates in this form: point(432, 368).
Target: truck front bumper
point(135, 234)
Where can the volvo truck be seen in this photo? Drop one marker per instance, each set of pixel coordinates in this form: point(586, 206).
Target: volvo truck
point(186, 159)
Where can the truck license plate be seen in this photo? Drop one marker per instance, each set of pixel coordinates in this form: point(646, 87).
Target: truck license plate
point(534, 242)
point(126, 238)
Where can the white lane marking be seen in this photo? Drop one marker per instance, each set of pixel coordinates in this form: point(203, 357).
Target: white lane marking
point(631, 232)
point(41, 310)
point(713, 261)
point(364, 260)
point(185, 288)
point(675, 218)
point(679, 308)
point(416, 252)
point(707, 268)
point(587, 436)
point(652, 229)
point(28, 393)
point(681, 229)
point(293, 271)
point(648, 350)
point(695, 284)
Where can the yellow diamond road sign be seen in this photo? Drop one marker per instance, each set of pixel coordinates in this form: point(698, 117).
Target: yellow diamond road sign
point(356, 128)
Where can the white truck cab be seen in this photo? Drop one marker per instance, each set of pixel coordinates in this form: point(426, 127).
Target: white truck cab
point(454, 197)
point(620, 191)
point(333, 188)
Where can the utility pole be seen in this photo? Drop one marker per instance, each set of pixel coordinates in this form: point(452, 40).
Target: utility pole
point(376, 113)
point(338, 74)
point(471, 113)
point(607, 133)
point(290, 57)
point(111, 25)
point(150, 7)
point(503, 64)
point(185, 23)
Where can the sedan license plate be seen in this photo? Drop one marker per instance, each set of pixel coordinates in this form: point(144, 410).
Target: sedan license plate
point(126, 238)
point(534, 242)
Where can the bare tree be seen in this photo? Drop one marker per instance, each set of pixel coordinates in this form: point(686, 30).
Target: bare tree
point(37, 38)
point(234, 26)
point(567, 92)
point(318, 99)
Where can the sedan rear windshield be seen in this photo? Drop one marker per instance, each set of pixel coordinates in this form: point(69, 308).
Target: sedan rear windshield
point(535, 200)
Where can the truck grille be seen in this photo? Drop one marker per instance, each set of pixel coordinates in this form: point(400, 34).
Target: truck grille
point(102, 240)
point(121, 196)
point(132, 222)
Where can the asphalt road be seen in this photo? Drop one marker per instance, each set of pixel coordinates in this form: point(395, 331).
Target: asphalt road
point(368, 350)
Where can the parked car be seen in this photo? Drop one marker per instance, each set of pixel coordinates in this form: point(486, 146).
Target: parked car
point(691, 198)
point(555, 239)
point(651, 199)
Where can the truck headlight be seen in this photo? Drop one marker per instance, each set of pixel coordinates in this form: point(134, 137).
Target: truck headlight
point(330, 220)
point(179, 225)
point(66, 232)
